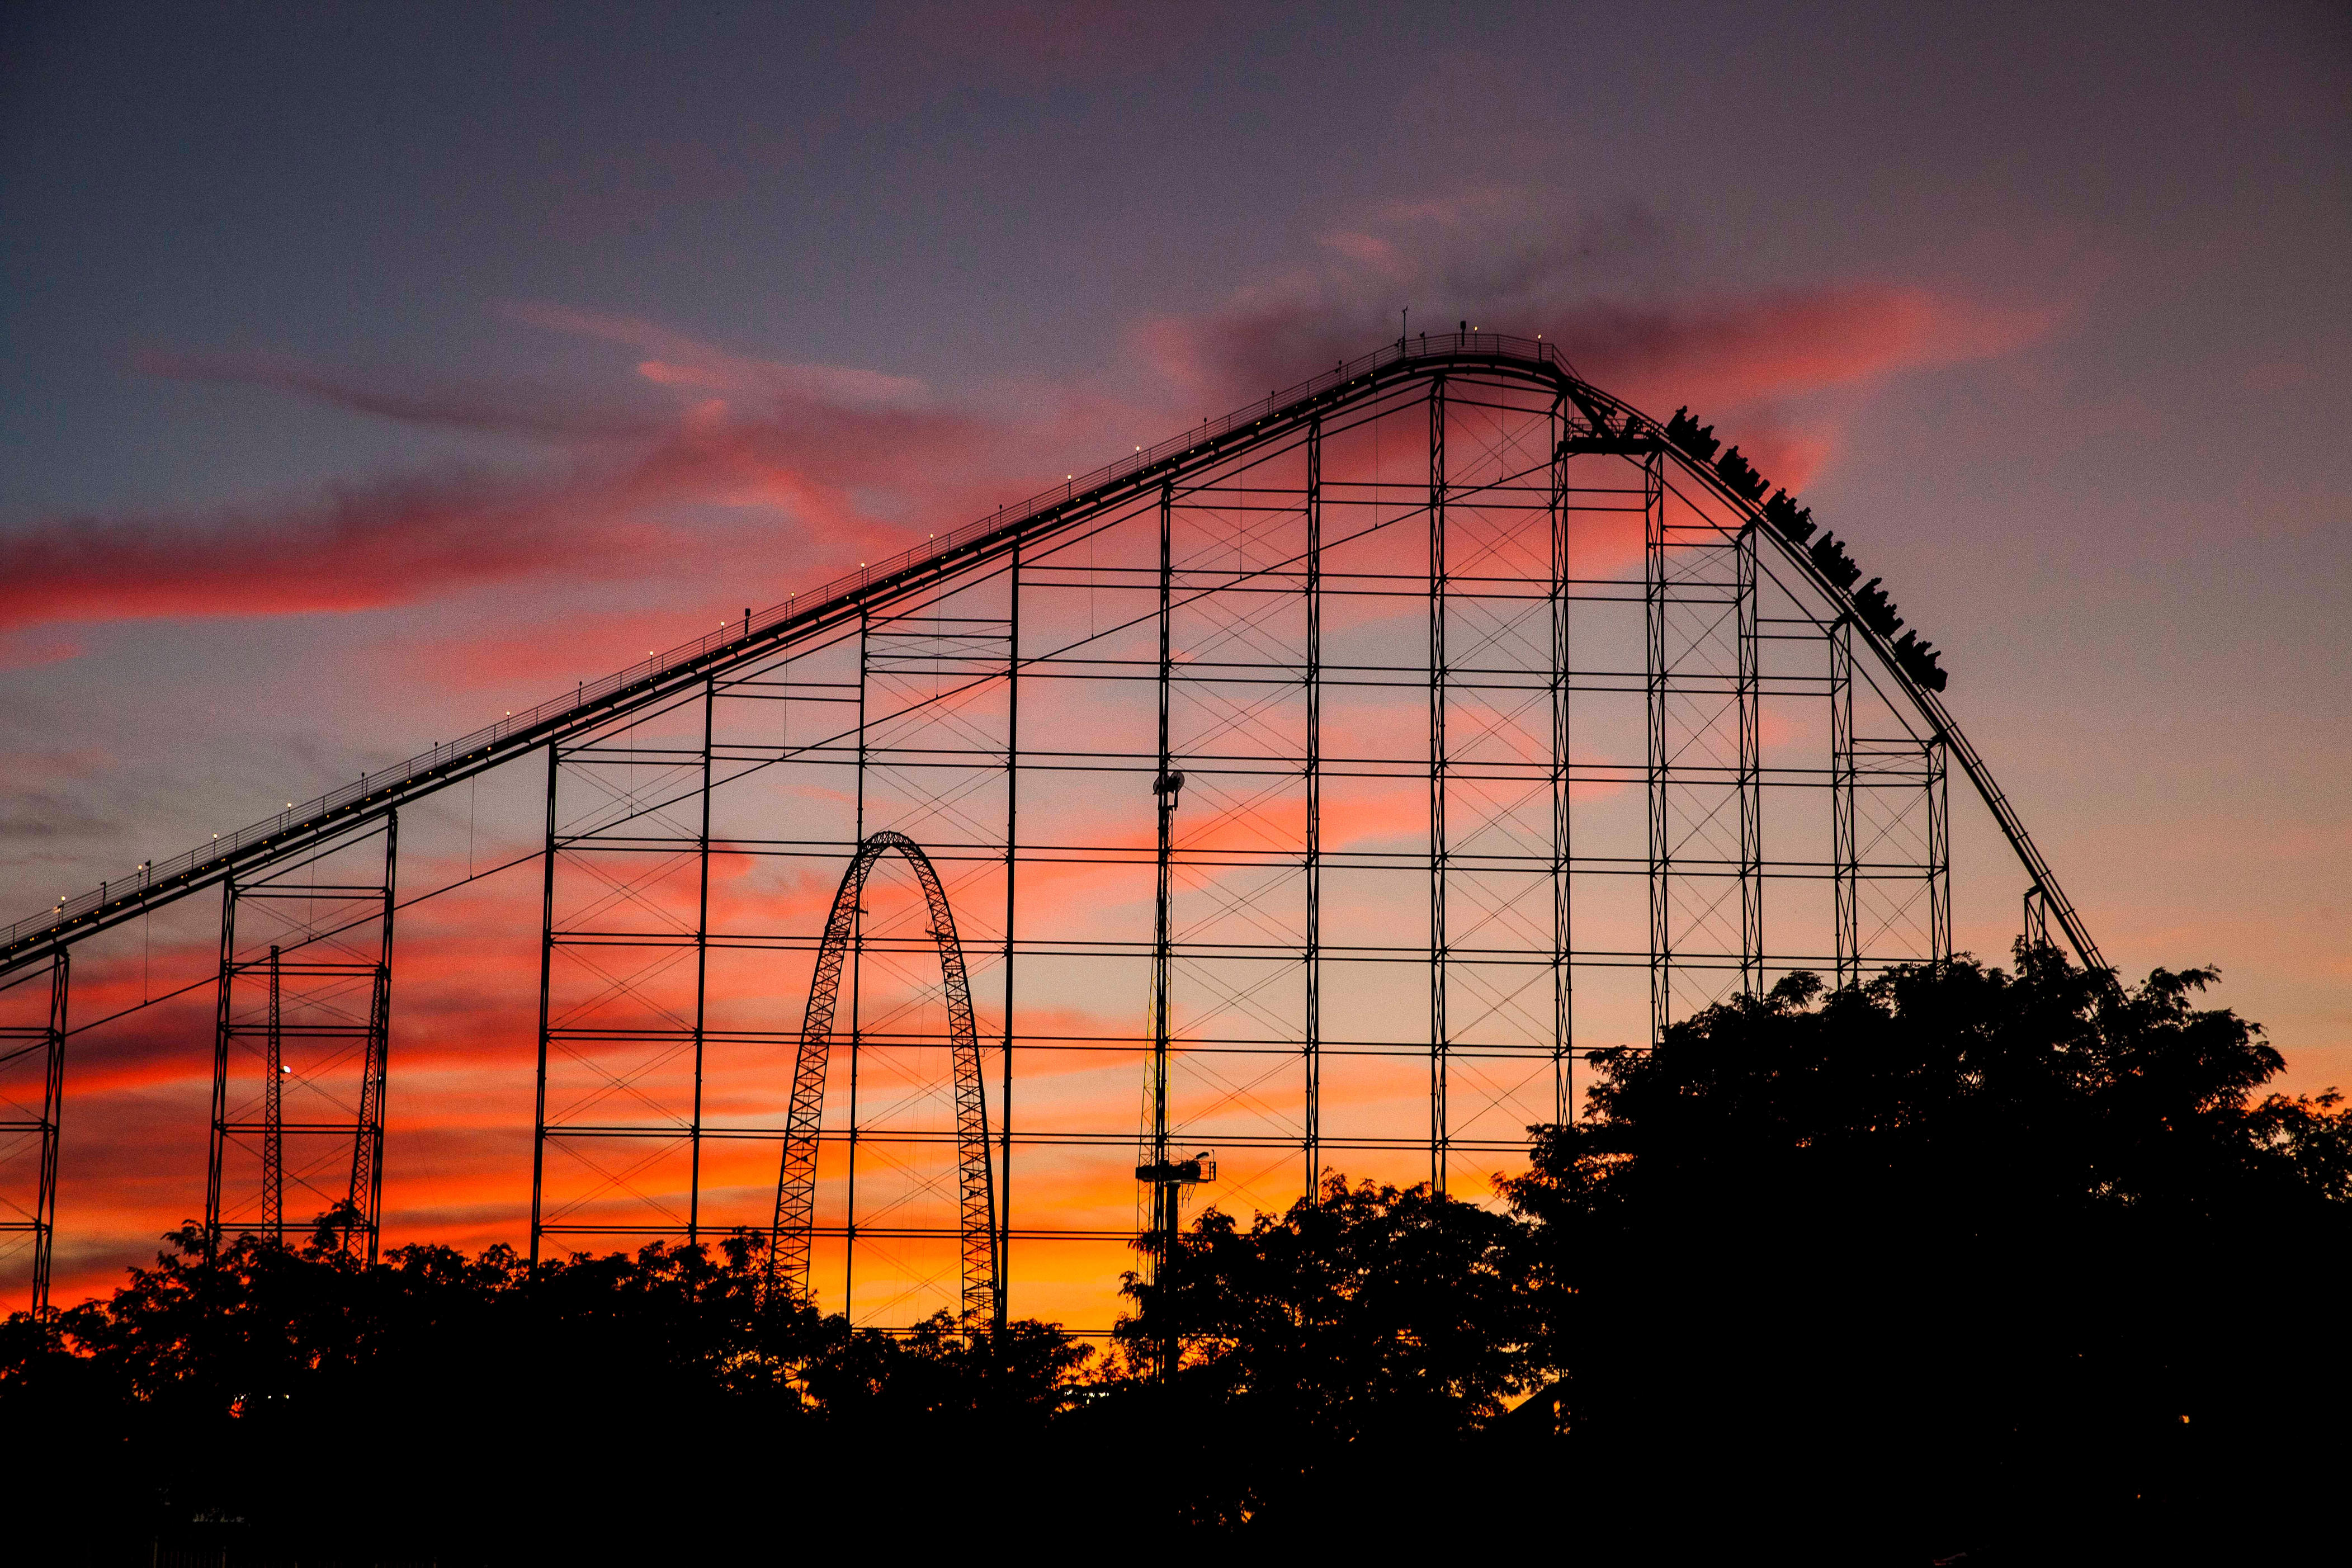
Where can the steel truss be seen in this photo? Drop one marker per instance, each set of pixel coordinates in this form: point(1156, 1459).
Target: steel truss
point(32, 1059)
point(1189, 636)
point(797, 1182)
point(1505, 731)
point(302, 1011)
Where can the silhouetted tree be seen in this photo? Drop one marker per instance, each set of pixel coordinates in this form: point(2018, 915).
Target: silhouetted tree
point(2019, 1265)
point(290, 1403)
point(1956, 1260)
point(1368, 1320)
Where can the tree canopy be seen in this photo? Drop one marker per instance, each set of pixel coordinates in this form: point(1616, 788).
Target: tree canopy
point(1961, 1259)
point(2019, 1263)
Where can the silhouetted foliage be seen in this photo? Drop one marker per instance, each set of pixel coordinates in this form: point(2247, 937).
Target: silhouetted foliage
point(477, 1409)
point(2016, 1265)
point(1958, 1260)
point(867, 1379)
point(1368, 1320)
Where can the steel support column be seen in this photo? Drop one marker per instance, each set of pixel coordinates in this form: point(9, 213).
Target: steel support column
point(1846, 872)
point(1313, 856)
point(1751, 767)
point(219, 1144)
point(1003, 1275)
point(546, 962)
point(1654, 603)
point(856, 974)
point(1563, 983)
point(1940, 850)
point(367, 1147)
point(48, 1038)
point(701, 970)
point(2036, 926)
point(305, 1011)
point(1165, 789)
point(1438, 1037)
point(273, 1109)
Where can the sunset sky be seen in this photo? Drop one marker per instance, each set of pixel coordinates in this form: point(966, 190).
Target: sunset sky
point(370, 372)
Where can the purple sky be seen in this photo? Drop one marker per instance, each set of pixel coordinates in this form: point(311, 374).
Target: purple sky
point(372, 370)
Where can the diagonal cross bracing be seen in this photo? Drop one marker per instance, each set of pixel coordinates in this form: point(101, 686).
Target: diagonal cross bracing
point(1296, 596)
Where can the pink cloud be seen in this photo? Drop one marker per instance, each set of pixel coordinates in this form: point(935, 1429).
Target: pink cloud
point(814, 451)
point(854, 460)
point(1590, 285)
point(1732, 352)
point(678, 359)
point(1711, 353)
point(360, 547)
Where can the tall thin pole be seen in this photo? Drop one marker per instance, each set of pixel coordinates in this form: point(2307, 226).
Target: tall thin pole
point(1438, 1041)
point(546, 964)
point(1314, 1020)
point(701, 969)
point(1012, 841)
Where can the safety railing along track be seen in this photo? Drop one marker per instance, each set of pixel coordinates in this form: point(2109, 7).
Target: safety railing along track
point(34, 938)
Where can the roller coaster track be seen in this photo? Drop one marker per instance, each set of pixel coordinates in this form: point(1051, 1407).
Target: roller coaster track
point(658, 677)
point(788, 1253)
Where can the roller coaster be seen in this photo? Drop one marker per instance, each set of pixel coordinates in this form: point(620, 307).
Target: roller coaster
point(1521, 717)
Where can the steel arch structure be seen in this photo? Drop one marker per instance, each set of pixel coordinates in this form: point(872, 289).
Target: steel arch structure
point(1513, 722)
point(796, 1181)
